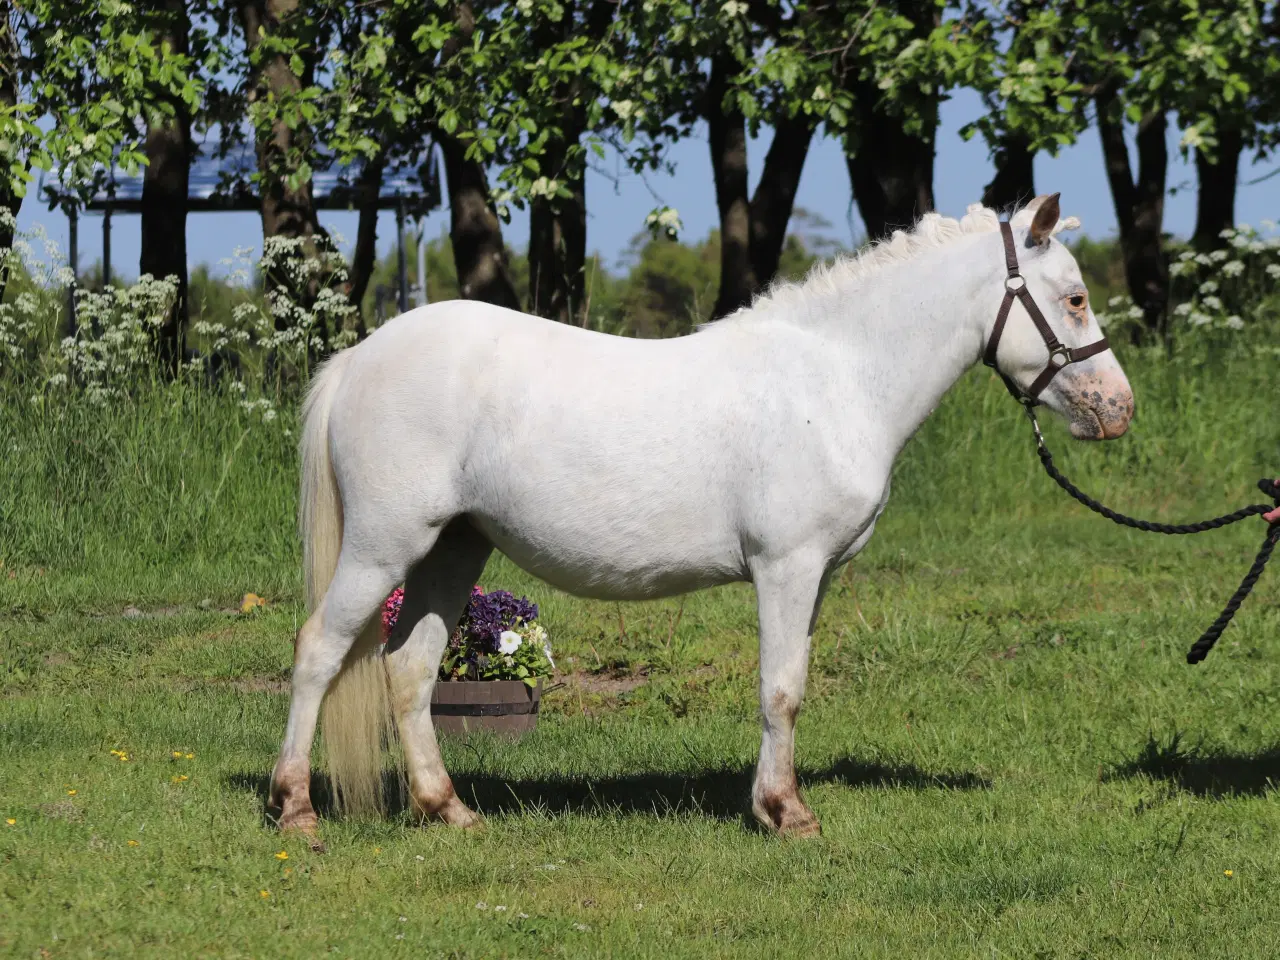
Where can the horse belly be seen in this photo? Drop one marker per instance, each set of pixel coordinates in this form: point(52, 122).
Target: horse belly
point(615, 555)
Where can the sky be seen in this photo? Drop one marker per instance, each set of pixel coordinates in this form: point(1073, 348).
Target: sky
point(618, 202)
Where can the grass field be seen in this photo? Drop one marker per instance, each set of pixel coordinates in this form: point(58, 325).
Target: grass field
point(1007, 752)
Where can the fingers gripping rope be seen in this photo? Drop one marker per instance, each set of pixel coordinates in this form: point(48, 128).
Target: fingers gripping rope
point(1200, 649)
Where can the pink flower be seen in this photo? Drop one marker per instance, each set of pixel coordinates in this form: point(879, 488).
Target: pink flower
point(391, 611)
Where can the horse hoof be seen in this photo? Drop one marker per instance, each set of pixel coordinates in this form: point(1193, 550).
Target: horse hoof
point(801, 828)
point(454, 813)
point(790, 818)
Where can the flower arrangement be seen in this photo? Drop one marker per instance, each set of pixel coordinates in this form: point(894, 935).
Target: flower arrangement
point(497, 639)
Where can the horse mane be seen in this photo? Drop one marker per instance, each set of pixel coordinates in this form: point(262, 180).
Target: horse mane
point(931, 232)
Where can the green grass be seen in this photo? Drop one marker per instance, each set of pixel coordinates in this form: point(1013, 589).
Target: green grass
point(1007, 752)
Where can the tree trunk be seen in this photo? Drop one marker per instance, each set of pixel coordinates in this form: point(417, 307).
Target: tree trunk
point(475, 232)
point(775, 196)
point(10, 201)
point(286, 211)
point(728, 139)
point(558, 225)
point(165, 190)
point(1216, 198)
point(1014, 182)
point(365, 255)
point(558, 247)
point(1139, 205)
point(891, 170)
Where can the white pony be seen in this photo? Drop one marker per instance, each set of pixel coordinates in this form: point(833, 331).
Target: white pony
point(758, 449)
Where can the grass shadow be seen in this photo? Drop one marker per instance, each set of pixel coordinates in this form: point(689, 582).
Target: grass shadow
point(1204, 772)
point(720, 793)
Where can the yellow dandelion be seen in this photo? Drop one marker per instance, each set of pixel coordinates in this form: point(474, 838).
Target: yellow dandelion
point(180, 778)
point(11, 822)
point(191, 756)
point(1228, 873)
point(282, 855)
point(133, 843)
point(71, 793)
point(177, 754)
point(264, 894)
point(377, 849)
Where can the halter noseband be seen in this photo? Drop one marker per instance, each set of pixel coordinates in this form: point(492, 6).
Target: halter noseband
point(1060, 355)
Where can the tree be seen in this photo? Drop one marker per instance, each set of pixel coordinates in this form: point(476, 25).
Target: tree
point(762, 69)
point(1032, 102)
point(403, 84)
point(896, 63)
point(1222, 61)
point(166, 179)
point(282, 43)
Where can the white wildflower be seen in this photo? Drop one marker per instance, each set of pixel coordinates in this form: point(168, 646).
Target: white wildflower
point(1198, 319)
point(482, 905)
point(1273, 271)
point(624, 108)
point(1211, 303)
point(1234, 323)
point(1232, 268)
point(1182, 310)
point(1209, 286)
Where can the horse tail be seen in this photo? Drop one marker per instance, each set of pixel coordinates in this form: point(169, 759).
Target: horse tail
point(356, 710)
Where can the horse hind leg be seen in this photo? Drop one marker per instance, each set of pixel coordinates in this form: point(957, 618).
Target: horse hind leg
point(326, 641)
point(435, 596)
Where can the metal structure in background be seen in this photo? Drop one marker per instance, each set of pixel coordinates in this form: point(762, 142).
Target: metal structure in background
point(224, 187)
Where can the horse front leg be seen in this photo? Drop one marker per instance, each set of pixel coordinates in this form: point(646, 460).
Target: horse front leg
point(788, 596)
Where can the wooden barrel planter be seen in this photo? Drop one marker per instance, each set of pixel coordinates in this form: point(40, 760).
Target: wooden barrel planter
point(505, 707)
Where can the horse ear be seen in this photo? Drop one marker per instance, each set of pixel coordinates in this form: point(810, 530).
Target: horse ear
point(1044, 222)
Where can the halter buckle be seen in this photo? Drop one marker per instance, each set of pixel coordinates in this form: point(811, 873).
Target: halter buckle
point(1015, 282)
point(1060, 356)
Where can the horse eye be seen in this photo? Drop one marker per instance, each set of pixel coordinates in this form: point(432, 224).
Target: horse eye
point(1077, 301)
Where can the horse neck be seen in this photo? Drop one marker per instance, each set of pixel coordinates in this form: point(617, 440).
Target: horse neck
point(911, 329)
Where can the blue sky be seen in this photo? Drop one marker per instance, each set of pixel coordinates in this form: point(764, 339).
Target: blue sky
point(616, 211)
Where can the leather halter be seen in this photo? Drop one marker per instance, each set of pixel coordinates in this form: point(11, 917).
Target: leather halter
point(1060, 355)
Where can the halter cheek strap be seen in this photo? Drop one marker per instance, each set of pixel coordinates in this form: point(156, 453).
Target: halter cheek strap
point(1060, 355)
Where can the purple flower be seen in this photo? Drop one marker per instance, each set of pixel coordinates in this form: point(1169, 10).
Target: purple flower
point(486, 617)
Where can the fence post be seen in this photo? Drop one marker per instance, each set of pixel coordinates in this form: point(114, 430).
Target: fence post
point(402, 258)
point(73, 224)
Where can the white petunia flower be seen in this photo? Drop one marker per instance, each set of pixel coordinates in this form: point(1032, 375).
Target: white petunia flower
point(509, 641)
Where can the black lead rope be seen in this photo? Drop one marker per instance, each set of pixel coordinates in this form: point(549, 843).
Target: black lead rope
point(1200, 649)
